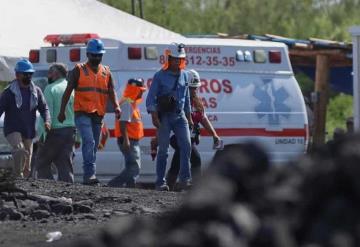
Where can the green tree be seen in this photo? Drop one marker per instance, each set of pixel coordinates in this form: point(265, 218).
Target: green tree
point(339, 108)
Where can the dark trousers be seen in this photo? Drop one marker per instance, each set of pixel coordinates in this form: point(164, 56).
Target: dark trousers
point(57, 149)
point(195, 160)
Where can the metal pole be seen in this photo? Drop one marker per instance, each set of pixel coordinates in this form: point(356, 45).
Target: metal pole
point(133, 7)
point(355, 32)
point(141, 9)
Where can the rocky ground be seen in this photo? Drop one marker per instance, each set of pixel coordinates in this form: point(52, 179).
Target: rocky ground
point(241, 200)
point(77, 211)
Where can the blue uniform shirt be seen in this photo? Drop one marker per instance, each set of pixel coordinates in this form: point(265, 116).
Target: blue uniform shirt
point(163, 83)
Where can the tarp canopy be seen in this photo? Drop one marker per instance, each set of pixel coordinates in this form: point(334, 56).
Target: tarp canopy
point(26, 22)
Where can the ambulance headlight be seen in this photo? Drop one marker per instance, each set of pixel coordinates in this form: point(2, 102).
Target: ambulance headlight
point(134, 52)
point(240, 56)
point(151, 53)
point(247, 56)
point(260, 56)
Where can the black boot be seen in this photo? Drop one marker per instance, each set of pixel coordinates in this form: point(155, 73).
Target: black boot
point(171, 181)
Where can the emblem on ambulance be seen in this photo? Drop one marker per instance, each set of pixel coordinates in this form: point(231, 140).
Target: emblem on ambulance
point(271, 100)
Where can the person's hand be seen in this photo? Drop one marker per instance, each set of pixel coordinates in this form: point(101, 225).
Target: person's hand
point(216, 140)
point(61, 117)
point(77, 145)
point(47, 127)
point(126, 145)
point(117, 112)
point(155, 119)
point(100, 147)
point(191, 123)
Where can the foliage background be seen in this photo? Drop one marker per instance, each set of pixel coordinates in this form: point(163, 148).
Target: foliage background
point(329, 19)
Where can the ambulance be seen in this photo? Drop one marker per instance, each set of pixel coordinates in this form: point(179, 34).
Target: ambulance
point(248, 90)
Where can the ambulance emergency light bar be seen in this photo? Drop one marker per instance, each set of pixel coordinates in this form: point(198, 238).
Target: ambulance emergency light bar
point(65, 39)
point(69, 39)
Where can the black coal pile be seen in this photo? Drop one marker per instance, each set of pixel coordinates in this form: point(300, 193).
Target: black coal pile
point(243, 201)
point(17, 204)
point(37, 207)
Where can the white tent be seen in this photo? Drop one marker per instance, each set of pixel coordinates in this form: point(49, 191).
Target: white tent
point(26, 22)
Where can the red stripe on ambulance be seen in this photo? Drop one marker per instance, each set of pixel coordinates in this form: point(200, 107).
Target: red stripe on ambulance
point(241, 132)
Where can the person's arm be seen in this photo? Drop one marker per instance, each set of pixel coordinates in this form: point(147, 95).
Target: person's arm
point(113, 97)
point(72, 79)
point(49, 98)
point(44, 110)
point(210, 128)
point(3, 101)
point(187, 109)
point(151, 105)
point(41, 124)
point(123, 128)
point(127, 112)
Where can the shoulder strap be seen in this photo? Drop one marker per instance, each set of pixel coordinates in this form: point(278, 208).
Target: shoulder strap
point(106, 68)
point(84, 68)
point(176, 82)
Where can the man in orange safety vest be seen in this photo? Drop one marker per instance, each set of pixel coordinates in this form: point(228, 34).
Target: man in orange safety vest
point(93, 85)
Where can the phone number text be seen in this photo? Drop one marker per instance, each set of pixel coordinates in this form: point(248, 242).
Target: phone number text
point(208, 60)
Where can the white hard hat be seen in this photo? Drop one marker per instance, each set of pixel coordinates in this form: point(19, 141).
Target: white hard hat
point(194, 78)
point(177, 50)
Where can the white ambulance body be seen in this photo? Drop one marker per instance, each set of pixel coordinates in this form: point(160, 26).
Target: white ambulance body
point(248, 89)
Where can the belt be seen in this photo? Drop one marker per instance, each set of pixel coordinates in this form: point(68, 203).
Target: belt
point(175, 111)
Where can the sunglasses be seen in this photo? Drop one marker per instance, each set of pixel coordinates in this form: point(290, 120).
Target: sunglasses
point(96, 55)
point(27, 74)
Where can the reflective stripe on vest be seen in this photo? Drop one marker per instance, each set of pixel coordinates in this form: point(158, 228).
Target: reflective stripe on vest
point(91, 93)
point(134, 128)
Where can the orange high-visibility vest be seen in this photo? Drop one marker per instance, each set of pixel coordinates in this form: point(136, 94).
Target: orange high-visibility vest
point(134, 128)
point(92, 91)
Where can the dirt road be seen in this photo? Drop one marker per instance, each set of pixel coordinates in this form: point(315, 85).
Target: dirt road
point(75, 210)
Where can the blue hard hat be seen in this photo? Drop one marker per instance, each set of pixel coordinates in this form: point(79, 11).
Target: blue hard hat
point(95, 46)
point(24, 65)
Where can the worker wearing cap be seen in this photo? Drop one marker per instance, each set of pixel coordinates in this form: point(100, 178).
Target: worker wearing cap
point(57, 145)
point(198, 116)
point(20, 101)
point(129, 131)
point(168, 101)
point(93, 85)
